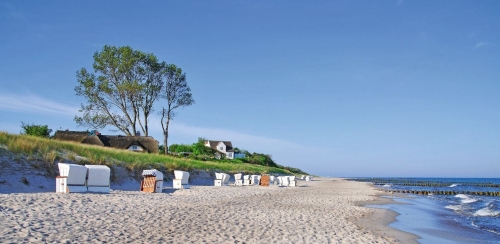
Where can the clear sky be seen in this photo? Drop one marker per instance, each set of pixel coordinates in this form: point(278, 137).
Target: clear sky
point(336, 88)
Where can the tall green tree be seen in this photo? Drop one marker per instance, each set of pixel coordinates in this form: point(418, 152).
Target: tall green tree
point(121, 91)
point(177, 94)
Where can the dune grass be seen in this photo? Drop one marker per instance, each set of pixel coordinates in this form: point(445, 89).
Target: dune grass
point(53, 151)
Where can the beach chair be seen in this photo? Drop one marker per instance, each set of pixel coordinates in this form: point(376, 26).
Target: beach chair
point(98, 178)
point(72, 178)
point(221, 179)
point(284, 180)
point(264, 180)
point(225, 179)
point(153, 181)
point(218, 179)
point(254, 179)
point(291, 180)
point(278, 180)
point(308, 178)
point(237, 179)
point(271, 180)
point(302, 177)
point(181, 180)
point(246, 180)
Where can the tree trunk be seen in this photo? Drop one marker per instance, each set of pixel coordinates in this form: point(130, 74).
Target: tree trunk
point(165, 138)
point(165, 134)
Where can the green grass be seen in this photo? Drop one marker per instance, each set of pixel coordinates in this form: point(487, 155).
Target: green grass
point(53, 151)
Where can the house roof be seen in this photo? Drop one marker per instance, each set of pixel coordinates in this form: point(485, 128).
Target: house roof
point(229, 145)
point(122, 142)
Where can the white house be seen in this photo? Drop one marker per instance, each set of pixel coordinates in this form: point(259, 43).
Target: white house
point(225, 147)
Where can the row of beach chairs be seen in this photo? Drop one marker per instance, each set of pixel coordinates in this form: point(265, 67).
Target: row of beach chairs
point(96, 178)
point(264, 180)
point(306, 177)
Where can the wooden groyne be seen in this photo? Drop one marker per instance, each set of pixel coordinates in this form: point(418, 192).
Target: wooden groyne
point(419, 192)
point(406, 182)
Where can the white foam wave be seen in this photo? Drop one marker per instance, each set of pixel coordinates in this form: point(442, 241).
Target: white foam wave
point(485, 212)
point(387, 185)
point(469, 200)
point(466, 199)
point(454, 207)
point(453, 185)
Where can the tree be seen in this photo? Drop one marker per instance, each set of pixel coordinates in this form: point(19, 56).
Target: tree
point(177, 94)
point(125, 85)
point(178, 148)
point(199, 148)
point(35, 130)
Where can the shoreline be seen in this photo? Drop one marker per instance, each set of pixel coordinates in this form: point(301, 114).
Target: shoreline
point(380, 219)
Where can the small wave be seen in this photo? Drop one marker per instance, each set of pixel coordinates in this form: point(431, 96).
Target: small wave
point(469, 200)
point(466, 199)
point(454, 207)
point(484, 228)
point(387, 185)
point(453, 185)
point(486, 212)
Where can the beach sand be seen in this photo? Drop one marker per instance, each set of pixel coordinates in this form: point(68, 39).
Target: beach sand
point(320, 211)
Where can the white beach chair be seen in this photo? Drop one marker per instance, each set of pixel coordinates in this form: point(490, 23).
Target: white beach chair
point(278, 180)
point(302, 177)
point(284, 180)
point(72, 178)
point(246, 180)
point(98, 178)
point(254, 179)
point(153, 181)
point(219, 179)
point(181, 180)
point(291, 180)
point(308, 178)
point(237, 179)
point(271, 180)
point(225, 179)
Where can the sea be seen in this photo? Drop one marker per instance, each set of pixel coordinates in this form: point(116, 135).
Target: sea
point(455, 217)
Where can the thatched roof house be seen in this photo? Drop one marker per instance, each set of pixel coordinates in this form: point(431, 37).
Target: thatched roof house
point(225, 147)
point(133, 143)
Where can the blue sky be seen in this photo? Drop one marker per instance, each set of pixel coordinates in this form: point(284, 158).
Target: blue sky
point(336, 88)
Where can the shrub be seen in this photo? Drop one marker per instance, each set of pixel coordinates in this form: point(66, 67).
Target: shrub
point(35, 130)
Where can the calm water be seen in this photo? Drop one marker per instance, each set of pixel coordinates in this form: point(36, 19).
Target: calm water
point(456, 218)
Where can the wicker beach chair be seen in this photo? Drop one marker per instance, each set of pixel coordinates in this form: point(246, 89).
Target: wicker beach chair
point(153, 181)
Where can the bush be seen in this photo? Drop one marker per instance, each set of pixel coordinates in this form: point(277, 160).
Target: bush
point(178, 148)
point(35, 130)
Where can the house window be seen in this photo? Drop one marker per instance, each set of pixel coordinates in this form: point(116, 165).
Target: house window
point(134, 147)
point(221, 148)
point(230, 155)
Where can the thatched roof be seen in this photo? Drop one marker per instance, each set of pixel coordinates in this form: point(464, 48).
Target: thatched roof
point(76, 136)
point(148, 143)
point(92, 140)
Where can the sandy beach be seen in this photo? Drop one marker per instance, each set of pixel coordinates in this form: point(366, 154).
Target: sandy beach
point(321, 211)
